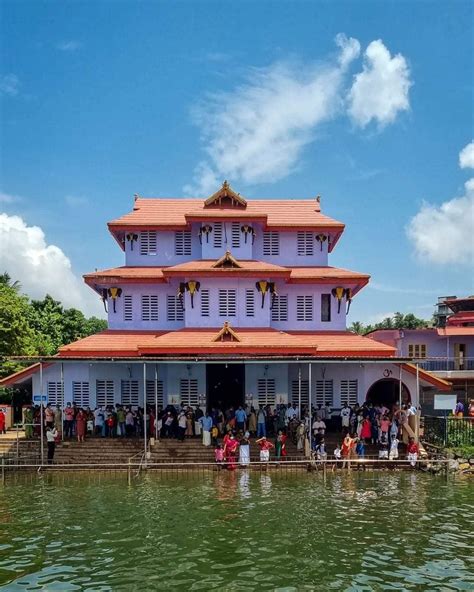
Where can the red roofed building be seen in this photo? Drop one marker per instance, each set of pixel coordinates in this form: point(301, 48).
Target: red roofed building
point(226, 301)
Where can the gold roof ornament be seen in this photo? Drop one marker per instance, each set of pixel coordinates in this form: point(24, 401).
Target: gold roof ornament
point(227, 260)
point(226, 334)
point(226, 196)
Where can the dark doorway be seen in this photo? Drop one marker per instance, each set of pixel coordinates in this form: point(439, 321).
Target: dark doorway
point(386, 392)
point(225, 385)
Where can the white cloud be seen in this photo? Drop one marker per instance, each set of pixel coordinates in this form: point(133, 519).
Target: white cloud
point(445, 234)
point(41, 268)
point(466, 157)
point(70, 45)
point(9, 85)
point(75, 201)
point(381, 90)
point(257, 132)
point(6, 198)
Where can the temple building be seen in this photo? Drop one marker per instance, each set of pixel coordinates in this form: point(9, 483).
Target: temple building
point(446, 350)
point(227, 301)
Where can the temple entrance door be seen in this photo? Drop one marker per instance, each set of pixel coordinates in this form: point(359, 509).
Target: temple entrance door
point(225, 385)
point(386, 392)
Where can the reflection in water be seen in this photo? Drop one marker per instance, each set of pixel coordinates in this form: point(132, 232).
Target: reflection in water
point(239, 531)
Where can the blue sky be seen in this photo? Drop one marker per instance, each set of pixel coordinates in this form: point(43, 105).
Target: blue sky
point(101, 100)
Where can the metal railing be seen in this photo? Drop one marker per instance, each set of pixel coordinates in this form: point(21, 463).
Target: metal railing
point(449, 431)
point(445, 364)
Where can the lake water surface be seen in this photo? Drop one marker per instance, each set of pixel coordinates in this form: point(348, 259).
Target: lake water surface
point(238, 531)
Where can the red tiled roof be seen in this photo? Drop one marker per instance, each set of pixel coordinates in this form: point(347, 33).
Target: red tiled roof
point(460, 318)
point(275, 213)
point(206, 268)
point(21, 375)
point(454, 330)
point(197, 342)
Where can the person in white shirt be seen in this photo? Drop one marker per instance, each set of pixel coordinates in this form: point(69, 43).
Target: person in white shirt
point(345, 416)
point(291, 412)
point(51, 435)
point(393, 455)
point(319, 424)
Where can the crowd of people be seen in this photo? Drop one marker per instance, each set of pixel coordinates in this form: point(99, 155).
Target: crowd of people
point(230, 430)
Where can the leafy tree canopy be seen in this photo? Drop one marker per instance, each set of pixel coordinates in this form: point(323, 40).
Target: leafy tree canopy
point(397, 321)
point(37, 327)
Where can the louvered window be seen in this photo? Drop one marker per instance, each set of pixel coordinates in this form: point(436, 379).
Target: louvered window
point(204, 303)
point(324, 394)
point(304, 392)
point(304, 308)
point(271, 243)
point(127, 307)
point(149, 307)
point(304, 243)
point(325, 308)
point(266, 391)
point(349, 392)
point(80, 394)
point(188, 391)
point(148, 242)
point(55, 393)
point(104, 393)
point(227, 303)
point(150, 392)
point(129, 392)
point(249, 303)
point(217, 235)
point(174, 309)
point(182, 242)
point(280, 308)
point(235, 234)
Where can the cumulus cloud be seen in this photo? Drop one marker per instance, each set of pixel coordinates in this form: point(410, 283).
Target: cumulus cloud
point(445, 234)
point(466, 157)
point(70, 45)
point(380, 92)
point(9, 85)
point(41, 268)
point(257, 132)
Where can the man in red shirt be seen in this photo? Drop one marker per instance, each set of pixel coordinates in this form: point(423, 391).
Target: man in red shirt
point(265, 447)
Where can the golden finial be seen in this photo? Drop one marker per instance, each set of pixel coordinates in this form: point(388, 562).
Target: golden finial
point(318, 198)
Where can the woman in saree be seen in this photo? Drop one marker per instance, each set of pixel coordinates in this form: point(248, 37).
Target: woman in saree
point(230, 452)
point(80, 425)
point(280, 444)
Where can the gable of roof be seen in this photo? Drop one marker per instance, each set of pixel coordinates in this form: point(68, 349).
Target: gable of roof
point(225, 196)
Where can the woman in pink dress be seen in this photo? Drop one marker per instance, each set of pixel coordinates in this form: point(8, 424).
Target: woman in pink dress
point(80, 425)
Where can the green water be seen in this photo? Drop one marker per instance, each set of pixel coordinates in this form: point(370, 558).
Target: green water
point(237, 531)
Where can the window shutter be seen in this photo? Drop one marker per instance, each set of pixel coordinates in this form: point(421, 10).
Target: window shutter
point(266, 391)
point(205, 303)
point(304, 308)
point(128, 307)
point(235, 235)
point(104, 393)
point(174, 310)
point(324, 392)
point(148, 242)
point(280, 308)
point(182, 242)
point(271, 243)
point(349, 392)
point(217, 234)
point(250, 303)
point(304, 243)
point(188, 391)
point(150, 392)
point(80, 393)
point(149, 307)
point(129, 392)
point(227, 303)
point(55, 393)
point(304, 392)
